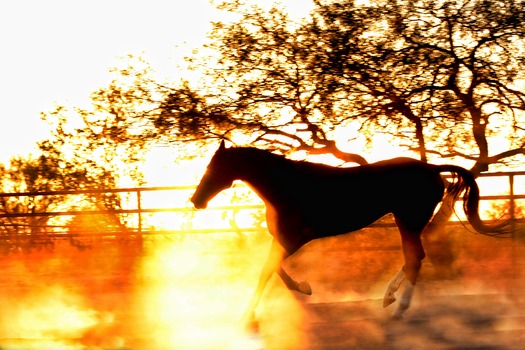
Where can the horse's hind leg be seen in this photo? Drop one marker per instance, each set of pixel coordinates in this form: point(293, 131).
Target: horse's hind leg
point(414, 254)
point(393, 287)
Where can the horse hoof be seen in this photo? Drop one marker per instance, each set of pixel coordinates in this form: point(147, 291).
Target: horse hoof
point(252, 326)
point(250, 323)
point(304, 287)
point(395, 318)
point(388, 300)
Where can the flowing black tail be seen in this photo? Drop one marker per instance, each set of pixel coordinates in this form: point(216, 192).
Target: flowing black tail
point(466, 182)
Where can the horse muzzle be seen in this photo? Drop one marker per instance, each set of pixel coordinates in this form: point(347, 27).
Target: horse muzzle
point(198, 204)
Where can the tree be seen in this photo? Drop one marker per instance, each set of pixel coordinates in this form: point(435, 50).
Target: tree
point(96, 148)
point(445, 78)
point(87, 149)
point(452, 71)
point(258, 82)
point(25, 175)
point(37, 175)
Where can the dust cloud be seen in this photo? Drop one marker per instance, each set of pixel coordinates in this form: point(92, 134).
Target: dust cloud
point(161, 292)
point(190, 291)
point(476, 302)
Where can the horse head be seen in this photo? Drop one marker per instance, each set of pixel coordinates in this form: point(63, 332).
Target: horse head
point(217, 178)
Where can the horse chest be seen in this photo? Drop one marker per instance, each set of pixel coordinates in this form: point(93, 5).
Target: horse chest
point(271, 219)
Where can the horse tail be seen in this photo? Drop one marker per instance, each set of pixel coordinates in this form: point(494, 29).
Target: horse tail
point(466, 182)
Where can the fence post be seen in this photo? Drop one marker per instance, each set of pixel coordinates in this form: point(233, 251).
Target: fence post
point(512, 204)
point(511, 193)
point(139, 209)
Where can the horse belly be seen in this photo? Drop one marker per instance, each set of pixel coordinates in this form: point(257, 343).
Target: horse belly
point(345, 217)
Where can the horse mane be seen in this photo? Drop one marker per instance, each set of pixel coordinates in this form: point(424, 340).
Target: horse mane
point(279, 159)
point(261, 154)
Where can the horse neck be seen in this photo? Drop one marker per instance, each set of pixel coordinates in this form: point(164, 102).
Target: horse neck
point(262, 175)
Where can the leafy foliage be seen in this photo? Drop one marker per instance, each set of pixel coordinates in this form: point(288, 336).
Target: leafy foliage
point(88, 149)
point(446, 78)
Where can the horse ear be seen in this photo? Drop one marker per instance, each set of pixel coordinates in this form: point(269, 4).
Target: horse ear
point(222, 146)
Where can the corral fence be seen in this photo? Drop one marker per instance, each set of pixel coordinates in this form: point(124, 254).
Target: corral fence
point(509, 192)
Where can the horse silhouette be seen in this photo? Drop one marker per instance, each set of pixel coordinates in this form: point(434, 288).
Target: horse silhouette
point(306, 201)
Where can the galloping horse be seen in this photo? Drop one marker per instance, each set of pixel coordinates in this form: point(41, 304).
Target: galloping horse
point(305, 201)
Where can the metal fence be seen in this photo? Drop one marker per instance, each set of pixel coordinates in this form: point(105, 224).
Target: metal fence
point(511, 197)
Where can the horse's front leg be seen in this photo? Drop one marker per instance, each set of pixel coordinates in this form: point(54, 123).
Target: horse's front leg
point(273, 264)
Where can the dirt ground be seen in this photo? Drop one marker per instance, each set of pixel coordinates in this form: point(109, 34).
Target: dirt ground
point(181, 292)
point(478, 303)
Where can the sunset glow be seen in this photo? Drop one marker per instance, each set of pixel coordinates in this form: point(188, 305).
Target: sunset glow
point(48, 317)
point(177, 278)
point(195, 295)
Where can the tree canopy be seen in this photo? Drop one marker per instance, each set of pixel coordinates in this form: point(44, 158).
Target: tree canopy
point(446, 78)
point(88, 149)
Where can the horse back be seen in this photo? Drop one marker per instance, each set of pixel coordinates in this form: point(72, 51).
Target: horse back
point(340, 200)
point(394, 182)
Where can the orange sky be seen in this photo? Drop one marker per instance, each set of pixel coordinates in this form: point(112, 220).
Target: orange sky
point(60, 51)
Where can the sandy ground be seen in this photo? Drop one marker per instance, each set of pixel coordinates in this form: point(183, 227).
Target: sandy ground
point(189, 293)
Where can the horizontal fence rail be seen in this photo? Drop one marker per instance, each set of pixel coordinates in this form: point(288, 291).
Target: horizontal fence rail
point(512, 198)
